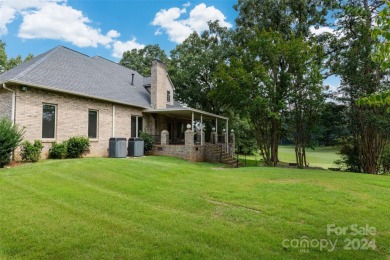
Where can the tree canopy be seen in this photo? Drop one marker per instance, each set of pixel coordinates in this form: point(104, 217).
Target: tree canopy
point(6, 63)
point(141, 60)
point(381, 34)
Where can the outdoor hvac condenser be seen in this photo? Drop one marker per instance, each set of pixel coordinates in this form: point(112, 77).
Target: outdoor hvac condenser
point(117, 148)
point(136, 147)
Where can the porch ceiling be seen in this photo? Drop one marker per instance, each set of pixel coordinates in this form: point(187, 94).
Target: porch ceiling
point(185, 112)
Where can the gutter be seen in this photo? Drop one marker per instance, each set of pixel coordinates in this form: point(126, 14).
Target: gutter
point(189, 109)
point(75, 93)
point(13, 103)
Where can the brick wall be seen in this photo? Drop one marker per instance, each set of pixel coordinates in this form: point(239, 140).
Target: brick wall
point(192, 153)
point(5, 103)
point(72, 118)
point(123, 120)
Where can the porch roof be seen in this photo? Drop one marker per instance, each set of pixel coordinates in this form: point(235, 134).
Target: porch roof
point(184, 112)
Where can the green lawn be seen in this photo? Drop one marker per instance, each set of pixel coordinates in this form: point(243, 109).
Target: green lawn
point(160, 207)
point(319, 157)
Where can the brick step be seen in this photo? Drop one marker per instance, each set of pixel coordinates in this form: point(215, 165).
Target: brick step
point(231, 162)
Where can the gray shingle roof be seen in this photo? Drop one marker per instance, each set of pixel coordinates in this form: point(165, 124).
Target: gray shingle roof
point(65, 70)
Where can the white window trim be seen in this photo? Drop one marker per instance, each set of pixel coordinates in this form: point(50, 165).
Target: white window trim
point(97, 124)
point(170, 97)
point(136, 125)
point(45, 139)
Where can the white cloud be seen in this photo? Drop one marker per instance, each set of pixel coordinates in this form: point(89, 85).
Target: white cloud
point(9, 9)
point(54, 19)
point(321, 30)
point(179, 29)
point(333, 88)
point(113, 34)
point(62, 22)
point(7, 15)
point(118, 47)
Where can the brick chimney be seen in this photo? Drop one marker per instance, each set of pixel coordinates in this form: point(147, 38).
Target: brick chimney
point(159, 85)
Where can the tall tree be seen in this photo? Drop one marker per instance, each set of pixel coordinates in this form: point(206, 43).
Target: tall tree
point(306, 96)
point(193, 64)
point(7, 64)
point(3, 57)
point(141, 60)
point(266, 32)
point(360, 77)
point(381, 35)
point(332, 123)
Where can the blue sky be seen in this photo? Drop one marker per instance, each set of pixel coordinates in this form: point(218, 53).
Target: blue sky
point(103, 27)
point(108, 28)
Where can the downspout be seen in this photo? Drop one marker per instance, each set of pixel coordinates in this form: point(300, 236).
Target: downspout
point(13, 103)
point(113, 120)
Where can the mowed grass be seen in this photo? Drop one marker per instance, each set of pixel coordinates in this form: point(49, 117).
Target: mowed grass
point(165, 208)
point(319, 157)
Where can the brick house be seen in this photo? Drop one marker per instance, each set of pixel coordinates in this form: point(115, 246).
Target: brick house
point(64, 93)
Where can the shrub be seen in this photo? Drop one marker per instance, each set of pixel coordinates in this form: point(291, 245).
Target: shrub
point(349, 153)
point(58, 151)
point(31, 152)
point(148, 141)
point(10, 138)
point(77, 146)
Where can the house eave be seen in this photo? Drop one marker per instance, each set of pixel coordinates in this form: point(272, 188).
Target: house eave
point(184, 110)
point(71, 93)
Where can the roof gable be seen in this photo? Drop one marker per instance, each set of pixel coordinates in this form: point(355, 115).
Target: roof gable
point(65, 70)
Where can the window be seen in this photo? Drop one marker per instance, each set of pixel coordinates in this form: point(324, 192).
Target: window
point(133, 126)
point(48, 121)
point(168, 96)
point(136, 126)
point(92, 124)
point(140, 125)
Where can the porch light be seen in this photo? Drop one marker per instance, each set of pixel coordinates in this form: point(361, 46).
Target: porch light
point(213, 129)
point(232, 131)
point(224, 130)
point(188, 126)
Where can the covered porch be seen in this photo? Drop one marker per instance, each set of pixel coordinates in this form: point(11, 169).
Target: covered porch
point(192, 134)
point(177, 120)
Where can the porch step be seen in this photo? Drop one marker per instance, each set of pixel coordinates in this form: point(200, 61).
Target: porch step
point(224, 157)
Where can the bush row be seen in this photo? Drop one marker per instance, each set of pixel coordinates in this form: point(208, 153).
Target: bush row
point(74, 147)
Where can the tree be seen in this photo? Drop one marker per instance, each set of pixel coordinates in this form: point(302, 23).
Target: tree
point(141, 60)
point(7, 64)
point(306, 97)
point(360, 77)
point(332, 123)
point(193, 65)
point(264, 70)
point(381, 36)
point(3, 58)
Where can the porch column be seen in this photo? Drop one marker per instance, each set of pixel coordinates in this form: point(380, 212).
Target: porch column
point(216, 125)
point(201, 130)
point(214, 136)
point(189, 136)
point(164, 137)
point(227, 133)
point(232, 142)
point(192, 122)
